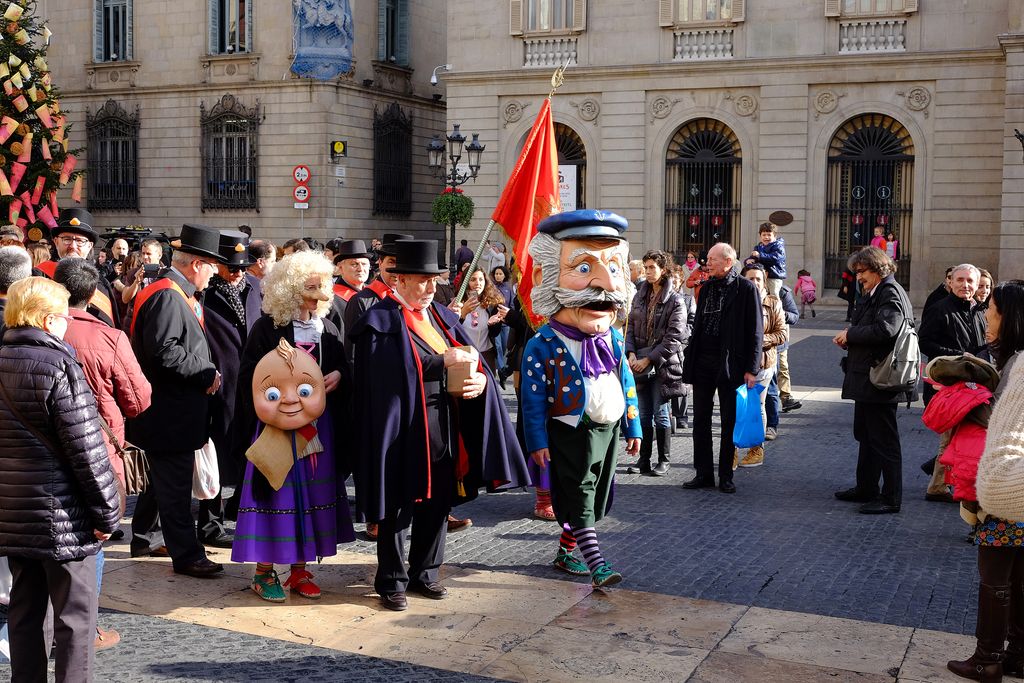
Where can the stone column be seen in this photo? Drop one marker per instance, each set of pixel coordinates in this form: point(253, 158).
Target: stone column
point(1011, 233)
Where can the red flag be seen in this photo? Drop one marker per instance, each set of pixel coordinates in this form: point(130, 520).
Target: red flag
point(530, 196)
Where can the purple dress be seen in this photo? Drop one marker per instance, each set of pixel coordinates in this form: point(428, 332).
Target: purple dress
point(269, 530)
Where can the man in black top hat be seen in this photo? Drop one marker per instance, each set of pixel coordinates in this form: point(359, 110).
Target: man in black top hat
point(421, 449)
point(352, 269)
point(231, 306)
point(373, 292)
point(167, 331)
point(75, 236)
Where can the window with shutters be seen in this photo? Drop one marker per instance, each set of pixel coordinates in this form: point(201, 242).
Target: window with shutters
point(869, 8)
point(230, 169)
point(230, 24)
point(113, 142)
point(393, 32)
point(112, 30)
point(392, 162)
point(685, 13)
point(539, 17)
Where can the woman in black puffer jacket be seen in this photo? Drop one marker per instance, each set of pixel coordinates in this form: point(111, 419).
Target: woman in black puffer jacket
point(656, 336)
point(56, 508)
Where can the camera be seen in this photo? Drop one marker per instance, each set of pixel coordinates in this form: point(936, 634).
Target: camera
point(150, 270)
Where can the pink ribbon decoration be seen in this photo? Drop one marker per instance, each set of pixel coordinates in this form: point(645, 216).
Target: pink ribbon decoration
point(5, 187)
point(9, 126)
point(13, 210)
point(26, 149)
point(26, 201)
point(37, 192)
point(76, 191)
point(20, 103)
point(69, 166)
point(46, 217)
point(17, 173)
point(43, 112)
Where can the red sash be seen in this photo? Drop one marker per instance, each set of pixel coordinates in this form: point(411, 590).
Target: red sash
point(159, 286)
point(100, 300)
point(379, 288)
point(344, 291)
point(48, 267)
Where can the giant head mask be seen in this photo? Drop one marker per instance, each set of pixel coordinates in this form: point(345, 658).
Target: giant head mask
point(288, 388)
point(580, 269)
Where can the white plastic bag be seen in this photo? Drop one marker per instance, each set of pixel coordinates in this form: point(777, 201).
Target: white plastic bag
point(206, 474)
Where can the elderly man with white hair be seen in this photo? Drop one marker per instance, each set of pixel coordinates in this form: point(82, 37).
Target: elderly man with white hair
point(15, 264)
point(952, 326)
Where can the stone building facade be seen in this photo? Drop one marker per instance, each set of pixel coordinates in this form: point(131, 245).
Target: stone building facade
point(191, 111)
point(697, 119)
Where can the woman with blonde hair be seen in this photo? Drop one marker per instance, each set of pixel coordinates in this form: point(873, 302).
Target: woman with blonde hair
point(308, 517)
point(59, 499)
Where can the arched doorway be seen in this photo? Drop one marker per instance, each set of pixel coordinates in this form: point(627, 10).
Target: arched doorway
point(572, 167)
point(870, 185)
point(703, 169)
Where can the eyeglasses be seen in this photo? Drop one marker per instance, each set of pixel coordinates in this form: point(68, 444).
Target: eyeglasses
point(67, 318)
point(236, 269)
point(80, 241)
point(206, 263)
point(858, 271)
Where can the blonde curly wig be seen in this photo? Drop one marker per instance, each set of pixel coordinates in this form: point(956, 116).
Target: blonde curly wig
point(282, 287)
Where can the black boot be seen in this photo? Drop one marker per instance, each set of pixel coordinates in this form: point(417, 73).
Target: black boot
point(1013, 662)
point(664, 451)
point(643, 465)
point(985, 664)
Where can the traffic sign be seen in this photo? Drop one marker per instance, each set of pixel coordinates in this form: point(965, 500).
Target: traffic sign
point(301, 205)
point(301, 174)
point(301, 193)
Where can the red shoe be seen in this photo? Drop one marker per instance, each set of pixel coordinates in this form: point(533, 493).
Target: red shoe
point(301, 582)
point(455, 524)
point(545, 512)
point(106, 639)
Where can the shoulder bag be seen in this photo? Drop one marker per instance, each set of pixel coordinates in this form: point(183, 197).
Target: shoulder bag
point(899, 370)
point(136, 466)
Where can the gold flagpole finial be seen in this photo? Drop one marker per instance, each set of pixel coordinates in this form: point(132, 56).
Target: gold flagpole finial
point(558, 77)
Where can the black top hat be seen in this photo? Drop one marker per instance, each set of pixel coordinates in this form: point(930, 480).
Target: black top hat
point(198, 239)
point(387, 247)
point(77, 220)
point(350, 249)
point(234, 249)
point(416, 257)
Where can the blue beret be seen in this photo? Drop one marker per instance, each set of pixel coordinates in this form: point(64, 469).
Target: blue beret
point(584, 223)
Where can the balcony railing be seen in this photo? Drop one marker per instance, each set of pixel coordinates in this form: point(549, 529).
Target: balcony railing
point(549, 52)
point(873, 35)
point(702, 44)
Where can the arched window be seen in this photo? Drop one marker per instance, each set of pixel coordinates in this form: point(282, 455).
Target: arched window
point(870, 188)
point(702, 186)
point(230, 168)
point(572, 167)
point(113, 175)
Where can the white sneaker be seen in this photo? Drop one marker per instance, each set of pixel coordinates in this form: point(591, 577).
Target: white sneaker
point(770, 434)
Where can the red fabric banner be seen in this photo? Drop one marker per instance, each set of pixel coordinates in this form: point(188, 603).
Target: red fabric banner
point(530, 196)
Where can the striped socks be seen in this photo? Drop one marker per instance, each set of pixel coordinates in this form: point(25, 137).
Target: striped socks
point(567, 543)
point(587, 539)
point(543, 499)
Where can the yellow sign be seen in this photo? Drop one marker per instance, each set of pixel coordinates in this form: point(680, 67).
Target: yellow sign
point(339, 148)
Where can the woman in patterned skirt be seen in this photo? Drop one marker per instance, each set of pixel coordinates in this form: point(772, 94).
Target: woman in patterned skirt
point(308, 516)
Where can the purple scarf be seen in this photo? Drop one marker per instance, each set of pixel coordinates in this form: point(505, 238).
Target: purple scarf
point(596, 356)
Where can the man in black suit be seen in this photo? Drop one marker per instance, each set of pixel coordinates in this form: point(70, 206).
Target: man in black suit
point(231, 306)
point(376, 290)
point(724, 352)
point(169, 340)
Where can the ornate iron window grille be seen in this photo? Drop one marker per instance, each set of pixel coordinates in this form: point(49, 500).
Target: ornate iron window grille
point(870, 184)
point(230, 163)
point(392, 162)
point(703, 170)
point(572, 152)
point(113, 174)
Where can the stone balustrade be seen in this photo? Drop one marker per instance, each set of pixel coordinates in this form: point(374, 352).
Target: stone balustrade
point(873, 35)
point(702, 44)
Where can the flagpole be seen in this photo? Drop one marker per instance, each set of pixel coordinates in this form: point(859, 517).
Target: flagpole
point(557, 78)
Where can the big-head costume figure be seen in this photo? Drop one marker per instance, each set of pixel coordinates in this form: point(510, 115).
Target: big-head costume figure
point(576, 386)
point(423, 445)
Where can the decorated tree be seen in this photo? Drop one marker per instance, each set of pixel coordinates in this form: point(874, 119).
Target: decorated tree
point(35, 158)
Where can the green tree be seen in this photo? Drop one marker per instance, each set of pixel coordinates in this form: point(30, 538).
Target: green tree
point(35, 155)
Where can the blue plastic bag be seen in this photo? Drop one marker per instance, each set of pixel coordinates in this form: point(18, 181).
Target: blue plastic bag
point(749, 429)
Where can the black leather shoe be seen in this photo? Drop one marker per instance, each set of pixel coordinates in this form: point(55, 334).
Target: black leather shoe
point(221, 540)
point(699, 482)
point(727, 487)
point(660, 470)
point(396, 602)
point(432, 590)
point(853, 496)
point(879, 506)
point(200, 569)
point(791, 404)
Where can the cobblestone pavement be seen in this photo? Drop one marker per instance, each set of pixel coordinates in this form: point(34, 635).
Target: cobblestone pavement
point(781, 542)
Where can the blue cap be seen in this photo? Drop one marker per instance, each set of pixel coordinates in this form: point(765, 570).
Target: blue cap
point(583, 224)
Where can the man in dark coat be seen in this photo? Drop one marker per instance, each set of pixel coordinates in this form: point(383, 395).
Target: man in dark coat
point(378, 289)
point(170, 343)
point(951, 326)
point(871, 336)
point(939, 293)
point(352, 268)
point(421, 449)
point(724, 352)
point(231, 306)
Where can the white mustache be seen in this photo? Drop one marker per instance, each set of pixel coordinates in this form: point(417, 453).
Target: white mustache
point(575, 298)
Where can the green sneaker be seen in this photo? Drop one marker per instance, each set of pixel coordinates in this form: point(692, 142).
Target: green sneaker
point(606, 576)
point(569, 564)
point(268, 587)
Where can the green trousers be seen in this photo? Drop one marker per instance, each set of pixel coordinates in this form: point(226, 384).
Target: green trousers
point(583, 462)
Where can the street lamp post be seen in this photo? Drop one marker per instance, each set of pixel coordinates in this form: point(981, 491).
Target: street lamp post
point(449, 172)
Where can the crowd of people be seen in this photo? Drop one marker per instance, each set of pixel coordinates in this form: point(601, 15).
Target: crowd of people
point(304, 365)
